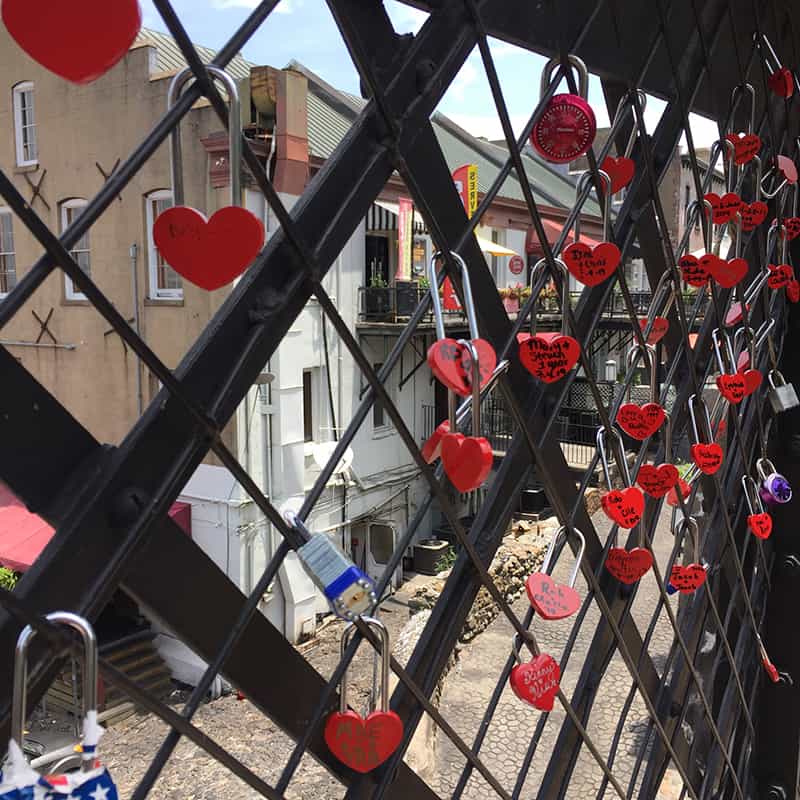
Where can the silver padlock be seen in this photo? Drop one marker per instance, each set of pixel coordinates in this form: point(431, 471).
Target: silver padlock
point(782, 395)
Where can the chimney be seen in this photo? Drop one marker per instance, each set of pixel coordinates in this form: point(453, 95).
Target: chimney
point(291, 132)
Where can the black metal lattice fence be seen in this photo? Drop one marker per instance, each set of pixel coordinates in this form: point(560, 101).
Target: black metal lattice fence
point(109, 504)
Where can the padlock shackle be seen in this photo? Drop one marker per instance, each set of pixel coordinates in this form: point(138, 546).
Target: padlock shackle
point(665, 286)
point(19, 695)
point(668, 438)
point(619, 456)
point(547, 566)
point(698, 437)
point(475, 384)
point(538, 267)
point(466, 286)
point(708, 229)
point(765, 468)
point(691, 523)
point(763, 332)
point(625, 107)
point(767, 193)
point(176, 87)
point(716, 334)
point(466, 405)
point(602, 199)
point(749, 337)
point(751, 495)
point(735, 100)
point(385, 656)
point(576, 63)
point(770, 53)
point(771, 378)
point(647, 353)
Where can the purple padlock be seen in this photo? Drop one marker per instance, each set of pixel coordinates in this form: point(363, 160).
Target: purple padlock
point(774, 488)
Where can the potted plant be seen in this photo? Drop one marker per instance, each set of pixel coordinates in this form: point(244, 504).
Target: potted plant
point(377, 298)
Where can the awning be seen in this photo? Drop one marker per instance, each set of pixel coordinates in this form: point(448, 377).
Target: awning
point(382, 216)
point(493, 248)
point(552, 230)
point(24, 535)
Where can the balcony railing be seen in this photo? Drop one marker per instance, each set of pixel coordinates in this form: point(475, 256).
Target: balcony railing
point(397, 304)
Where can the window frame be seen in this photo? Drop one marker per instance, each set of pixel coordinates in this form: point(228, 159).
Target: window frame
point(153, 290)
point(6, 211)
point(71, 293)
point(19, 140)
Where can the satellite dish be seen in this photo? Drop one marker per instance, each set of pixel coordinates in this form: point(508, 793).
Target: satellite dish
point(323, 451)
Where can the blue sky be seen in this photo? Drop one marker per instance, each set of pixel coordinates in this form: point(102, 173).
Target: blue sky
point(305, 30)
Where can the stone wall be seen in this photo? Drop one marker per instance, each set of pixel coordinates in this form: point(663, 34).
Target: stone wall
point(520, 553)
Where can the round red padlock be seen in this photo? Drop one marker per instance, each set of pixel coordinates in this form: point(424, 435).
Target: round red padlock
point(568, 125)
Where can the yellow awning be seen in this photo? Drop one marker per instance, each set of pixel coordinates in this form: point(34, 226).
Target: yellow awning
point(493, 248)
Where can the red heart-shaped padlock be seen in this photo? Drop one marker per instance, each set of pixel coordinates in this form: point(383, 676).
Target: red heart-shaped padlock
point(620, 170)
point(672, 494)
point(687, 579)
point(760, 524)
point(723, 209)
point(363, 744)
point(793, 291)
point(628, 565)
point(708, 457)
point(731, 387)
point(658, 331)
point(696, 271)
point(432, 448)
point(745, 146)
point(728, 273)
point(753, 214)
point(779, 275)
point(487, 361)
point(623, 506)
point(657, 480)
point(467, 460)
point(551, 600)
point(734, 315)
point(591, 266)
point(792, 225)
point(781, 82)
point(79, 40)
point(208, 252)
point(640, 421)
point(536, 682)
point(444, 359)
point(549, 356)
point(787, 168)
point(752, 380)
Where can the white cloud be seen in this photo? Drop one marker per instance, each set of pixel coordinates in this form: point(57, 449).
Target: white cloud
point(466, 76)
point(405, 19)
point(486, 125)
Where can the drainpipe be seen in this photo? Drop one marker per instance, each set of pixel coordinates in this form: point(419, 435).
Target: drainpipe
point(133, 251)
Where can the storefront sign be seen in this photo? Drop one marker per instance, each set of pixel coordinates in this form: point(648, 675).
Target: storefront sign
point(405, 237)
point(516, 265)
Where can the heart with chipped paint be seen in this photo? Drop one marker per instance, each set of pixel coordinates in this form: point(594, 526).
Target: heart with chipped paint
point(623, 506)
point(657, 480)
point(640, 421)
point(628, 566)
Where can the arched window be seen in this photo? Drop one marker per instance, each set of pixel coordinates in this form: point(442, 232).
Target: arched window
point(25, 125)
point(164, 282)
point(81, 251)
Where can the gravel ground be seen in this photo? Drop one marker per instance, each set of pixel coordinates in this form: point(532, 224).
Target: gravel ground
point(238, 726)
point(243, 730)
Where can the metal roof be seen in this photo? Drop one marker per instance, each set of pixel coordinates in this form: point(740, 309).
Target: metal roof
point(170, 58)
point(331, 113)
